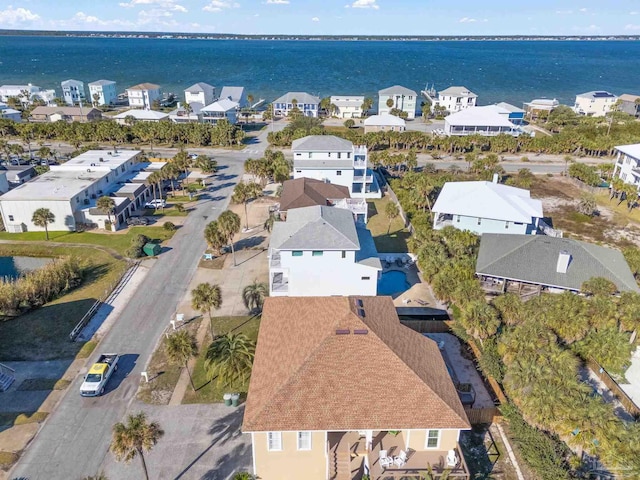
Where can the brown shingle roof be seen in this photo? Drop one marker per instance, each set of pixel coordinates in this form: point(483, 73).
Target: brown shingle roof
point(308, 377)
point(307, 192)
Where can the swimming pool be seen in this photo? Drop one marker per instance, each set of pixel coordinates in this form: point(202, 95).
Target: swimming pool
point(392, 282)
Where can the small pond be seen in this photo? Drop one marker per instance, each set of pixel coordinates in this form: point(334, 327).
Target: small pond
point(14, 267)
point(393, 282)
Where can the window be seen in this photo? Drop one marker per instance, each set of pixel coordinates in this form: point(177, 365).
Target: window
point(458, 218)
point(339, 154)
point(274, 441)
point(304, 440)
point(11, 218)
point(309, 154)
point(506, 224)
point(433, 439)
point(344, 254)
point(317, 253)
point(479, 221)
point(338, 172)
point(296, 253)
point(298, 171)
point(365, 278)
point(329, 154)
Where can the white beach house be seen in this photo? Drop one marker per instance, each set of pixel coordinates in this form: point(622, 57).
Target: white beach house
point(26, 93)
point(309, 105)
point(223, 109)
point(73, 92)
point(384, 123)
point(322, 251)
point(335, 160)
point(594, 104)
point(103, 92)
point(540, 106)
point(143, 95)
point(402, 98)
point(347, 106)
point(455, 99)
point(487, 121)
point(140, 116)
point(627, 166)
point(487, 207)
point(201, 93)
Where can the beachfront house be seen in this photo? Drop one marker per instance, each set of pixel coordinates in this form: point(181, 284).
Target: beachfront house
point(347, 106)
point(321, 251)
point(307, 192)
point(144, 95)
point(309, 105)
point(223, 109)
point(70, 192)
point(527, 265)
point(384, 123)
point(540, 107)
point(103, 92)
point(235, 94)
point(487, 121)
point(627, 166)
point(630, 104)
point(26, 93)
point(73, 92)
point(457, 98)
point(181, 115)
point(335, 160)
point(65, 114)
point(400, 98)
point(201, 93)
point(10, 113)
point(137, 115)
point(339, 385)
point(594, 104)
point(514, 114)
point(487, 207)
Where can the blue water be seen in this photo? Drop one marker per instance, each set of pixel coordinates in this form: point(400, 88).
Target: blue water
point(496, 70)
point(14, 267)
point(392, 282)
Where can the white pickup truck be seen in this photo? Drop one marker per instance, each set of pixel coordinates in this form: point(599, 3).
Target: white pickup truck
point(98, 376)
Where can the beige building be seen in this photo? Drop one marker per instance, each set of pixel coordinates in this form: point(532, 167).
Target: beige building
point(347, 106)
point(594, 104)
point(384, 123)
point(349, 389)
point(66, 114)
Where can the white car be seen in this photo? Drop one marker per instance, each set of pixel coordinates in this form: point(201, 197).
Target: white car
point(98, 376)
point(157, 203)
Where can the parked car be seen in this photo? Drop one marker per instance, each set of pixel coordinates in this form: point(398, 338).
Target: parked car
point(157, 203)
point(137, 221)
point(193, 156)
point(98, 376)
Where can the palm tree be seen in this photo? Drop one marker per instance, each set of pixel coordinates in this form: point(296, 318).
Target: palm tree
point(214, 236)
point(366, 106)
point(181, 347)
point(205, 297)
point(154, 179)
point(389, 102)
point(253, 296)
point(391, 211)
point(229, 222)
point(229, 357)
point(206, 164)
point(42, 217)
point(135, 438)
point(106, 205)
point(244, 193)
point(187, 109)
point(268, 223)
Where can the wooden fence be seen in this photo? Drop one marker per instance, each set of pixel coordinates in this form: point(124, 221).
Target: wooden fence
point(483, 415)
point(612, 385)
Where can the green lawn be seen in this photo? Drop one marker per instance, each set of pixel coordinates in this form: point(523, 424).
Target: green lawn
point(119, 242)
point(387, 238)
point(208, 391)
point(165, 212)
point(43, 333)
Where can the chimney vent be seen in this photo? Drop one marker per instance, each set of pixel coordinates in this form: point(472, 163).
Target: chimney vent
point(564, 259)
point(495, 178)
point(361, 331)
point(343, 331)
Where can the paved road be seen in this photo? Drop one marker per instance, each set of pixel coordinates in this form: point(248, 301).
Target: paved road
point(75, 438)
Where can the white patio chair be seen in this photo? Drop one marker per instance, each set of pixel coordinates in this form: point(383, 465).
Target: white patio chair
point(401, 459)
point(179, 317)
point(385, 461)
point(452, 458)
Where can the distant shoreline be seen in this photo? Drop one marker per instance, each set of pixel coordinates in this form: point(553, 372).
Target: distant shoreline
point(384, 38)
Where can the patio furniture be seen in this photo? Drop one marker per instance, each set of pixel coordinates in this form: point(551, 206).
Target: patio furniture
point(179, 317)
point(422, 302)
point(208, 256)
point(452, 459)
point(401, 459)
point(385, 461)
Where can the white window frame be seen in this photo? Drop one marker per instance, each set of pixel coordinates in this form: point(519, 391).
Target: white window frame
point(299, 436)
point(426, 440)
point(275, 438)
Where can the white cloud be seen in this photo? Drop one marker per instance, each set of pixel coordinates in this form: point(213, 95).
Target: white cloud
point(472, 20)
point(277, 2)
point(125, 5)
point(634, 13)
point(315, 19)
point(583, 10)
point(219, 5)
point(632, 27)
point(564, 12)
point(14, 16)
point(587, 30)
point(364, 4)
point(170, 5)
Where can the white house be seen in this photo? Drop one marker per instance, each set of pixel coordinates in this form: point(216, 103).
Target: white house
point(335, 160)
point(455, 99)
point(404, 99)
point(143, 95)
point(140, 116)
point(347, 106)
point(180, 114)
point(627, 166)
point(70, 192)
point(235, 94)
point(384, 123)
point(309, 105)
point(487, 207)
point(321, 251)
point(487, 121)
point(201, 93)
point(25, 93)
point(73, 92)
point(223, 109)
point(540, 106)
point(594, 104)
point(105, 91)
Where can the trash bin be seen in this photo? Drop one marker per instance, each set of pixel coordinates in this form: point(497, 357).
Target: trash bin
point(227, 399)
point(152, 249)
point(235, 398)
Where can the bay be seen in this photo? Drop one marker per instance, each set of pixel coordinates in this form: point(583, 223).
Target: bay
point(512, 71)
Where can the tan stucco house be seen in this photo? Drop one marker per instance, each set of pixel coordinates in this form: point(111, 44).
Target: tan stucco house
point(338, 379)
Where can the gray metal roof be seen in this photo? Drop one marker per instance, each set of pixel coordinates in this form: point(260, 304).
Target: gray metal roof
point(322, 143)
point(316, 228)
point(397, 90)
point(234, 94)
point(534, 258)
point(303, 98)
point(101, 83)
point(199, 87)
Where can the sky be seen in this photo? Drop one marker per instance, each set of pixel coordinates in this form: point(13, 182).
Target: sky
point(329, 17)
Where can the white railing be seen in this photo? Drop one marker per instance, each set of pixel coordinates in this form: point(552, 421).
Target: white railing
point(548, 231)
point(356, 205)
point(280, 287)
point(360, 164)
point(363, 178)
point(276, 260)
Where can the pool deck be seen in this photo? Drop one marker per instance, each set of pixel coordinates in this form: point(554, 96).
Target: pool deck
point(419, 294)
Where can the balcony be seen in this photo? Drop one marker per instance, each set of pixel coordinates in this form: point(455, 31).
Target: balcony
point(279, 283)
point(363, 178)
point(359, 163)
point(355, 205)
point(275, 260)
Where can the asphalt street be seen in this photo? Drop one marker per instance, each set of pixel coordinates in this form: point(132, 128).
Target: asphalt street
point(75, 438)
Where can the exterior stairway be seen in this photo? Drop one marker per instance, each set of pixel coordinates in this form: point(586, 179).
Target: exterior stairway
point(5, 381)
point(340, 465)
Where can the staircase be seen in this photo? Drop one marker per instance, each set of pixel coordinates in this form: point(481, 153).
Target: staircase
point(340, 465)
point(5, 381)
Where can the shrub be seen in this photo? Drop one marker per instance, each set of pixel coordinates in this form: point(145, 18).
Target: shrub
point(169, 226)
point(139, 240)
point(134, 252)
point(587, 205)
point(524, 159)
point(349, 123)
